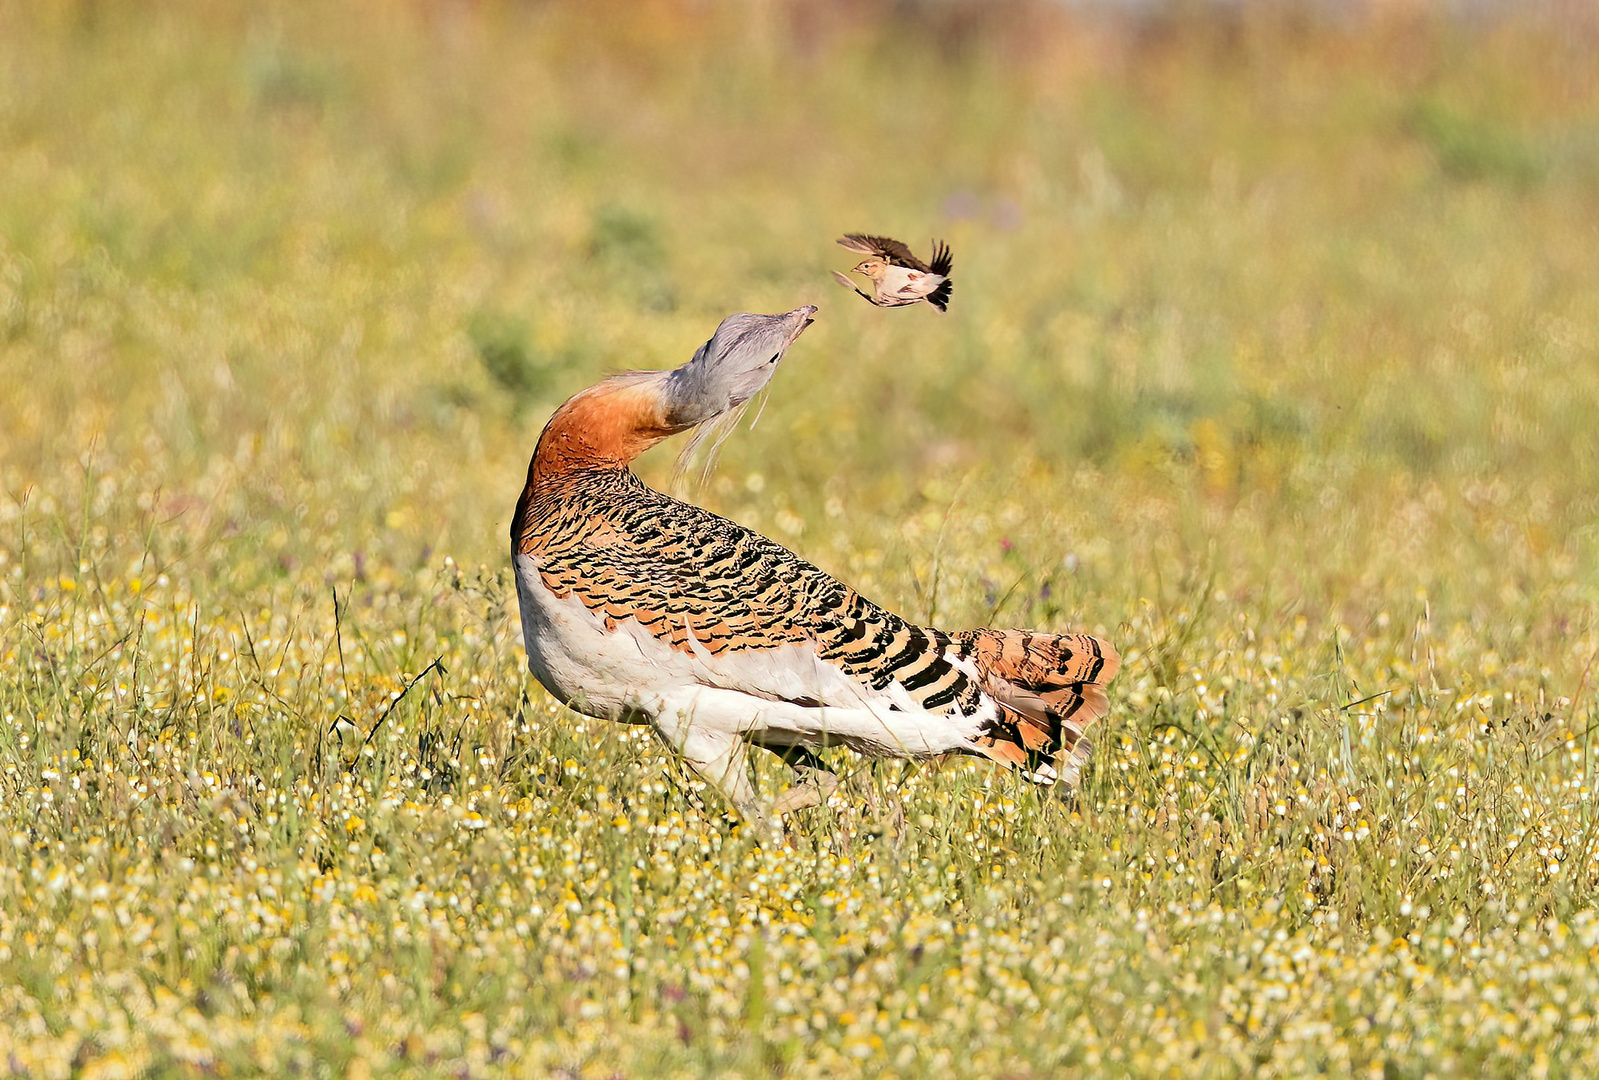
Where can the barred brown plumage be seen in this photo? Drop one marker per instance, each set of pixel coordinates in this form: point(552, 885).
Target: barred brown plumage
point(636, 605)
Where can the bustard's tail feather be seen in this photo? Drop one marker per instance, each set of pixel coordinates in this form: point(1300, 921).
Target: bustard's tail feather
point(1049, 687)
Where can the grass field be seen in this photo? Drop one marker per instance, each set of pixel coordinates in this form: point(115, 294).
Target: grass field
point(1273, 357)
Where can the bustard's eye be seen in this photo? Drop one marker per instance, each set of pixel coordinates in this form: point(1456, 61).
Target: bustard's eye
point(774, 358)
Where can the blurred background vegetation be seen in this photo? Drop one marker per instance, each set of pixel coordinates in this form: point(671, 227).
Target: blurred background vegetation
point(1258, 277)
point(1272, 356)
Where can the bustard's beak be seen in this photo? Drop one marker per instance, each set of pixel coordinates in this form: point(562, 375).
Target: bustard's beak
point(799, 319)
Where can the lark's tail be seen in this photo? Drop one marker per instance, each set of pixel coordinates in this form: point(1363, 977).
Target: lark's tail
point(942, 263)
point(1049, 688)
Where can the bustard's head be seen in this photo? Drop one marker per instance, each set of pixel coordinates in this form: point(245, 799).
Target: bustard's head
point(732, 367)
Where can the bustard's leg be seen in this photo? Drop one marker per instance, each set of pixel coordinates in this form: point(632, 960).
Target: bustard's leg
point(815, 782)
point(721, 757)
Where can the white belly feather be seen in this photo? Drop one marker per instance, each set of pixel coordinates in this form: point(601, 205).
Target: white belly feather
point(912, 284)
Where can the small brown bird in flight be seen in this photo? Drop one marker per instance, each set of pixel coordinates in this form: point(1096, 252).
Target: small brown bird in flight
point(899, 278)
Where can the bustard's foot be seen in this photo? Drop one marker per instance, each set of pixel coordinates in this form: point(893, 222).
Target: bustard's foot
point(815, 788)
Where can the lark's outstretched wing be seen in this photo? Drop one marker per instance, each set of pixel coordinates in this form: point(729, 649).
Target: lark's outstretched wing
point(848, 284)
point(890, 251)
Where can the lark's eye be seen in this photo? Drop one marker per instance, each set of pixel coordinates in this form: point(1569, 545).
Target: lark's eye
point(774, 358)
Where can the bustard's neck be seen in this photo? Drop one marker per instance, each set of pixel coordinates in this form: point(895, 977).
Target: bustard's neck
point(604, 427)
point(601, 429)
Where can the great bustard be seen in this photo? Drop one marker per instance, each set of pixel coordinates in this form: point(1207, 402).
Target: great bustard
point(639, 607)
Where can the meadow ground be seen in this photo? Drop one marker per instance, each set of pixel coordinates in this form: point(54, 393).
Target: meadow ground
point(1272, 357)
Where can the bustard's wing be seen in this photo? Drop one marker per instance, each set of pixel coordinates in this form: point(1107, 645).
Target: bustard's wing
point(708, 587)
point(763, 621)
